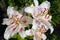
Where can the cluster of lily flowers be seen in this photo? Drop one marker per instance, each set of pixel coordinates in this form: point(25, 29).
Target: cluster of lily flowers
point(17, 21)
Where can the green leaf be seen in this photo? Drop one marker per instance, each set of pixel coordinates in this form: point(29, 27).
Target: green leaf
point(17, 36)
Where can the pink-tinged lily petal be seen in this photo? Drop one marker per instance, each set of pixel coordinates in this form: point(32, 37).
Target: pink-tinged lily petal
point(44, 7)
point(21, 28)
point(45, 4)
point(38, 23)
point(44, 37)
point(35, 24)
point(32, 10)
point(29, 9)
point(48, 25)
point(20, 15)
point(43, 27)
point(42, 10)
point(6, 21)
point(36, 12)
point(10, 31)
point(47, 17)
point(52, 29)
point(36, 3)
point(36, 37)
point(39, 36)
point(26, 20)
point(22, 32)
point(11, 11)
point(29, 32)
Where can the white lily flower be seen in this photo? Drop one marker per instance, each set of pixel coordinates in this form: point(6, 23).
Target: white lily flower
point(36, 10)
point(16, 23)
point(40, 27)
point(37, 34)
point(41, 21)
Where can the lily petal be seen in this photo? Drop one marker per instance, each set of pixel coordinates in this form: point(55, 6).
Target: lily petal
point(29, 10)
point(11, 11)
point(42, 25)
point(52, 29)
point(35, 24)
point(36, 37)
point(10, 31)
point(29, 32)
point(5, 21)
point(45, 4)
point(49, 26)
point(22, 34)
point(47, 17)
point(39, 36)
point(26, 20)
point(44, 37)
point(36, 3)
point(21, 31)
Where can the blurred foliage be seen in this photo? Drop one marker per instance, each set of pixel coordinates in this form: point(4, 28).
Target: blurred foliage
point(18, 4)
point(55, 11)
